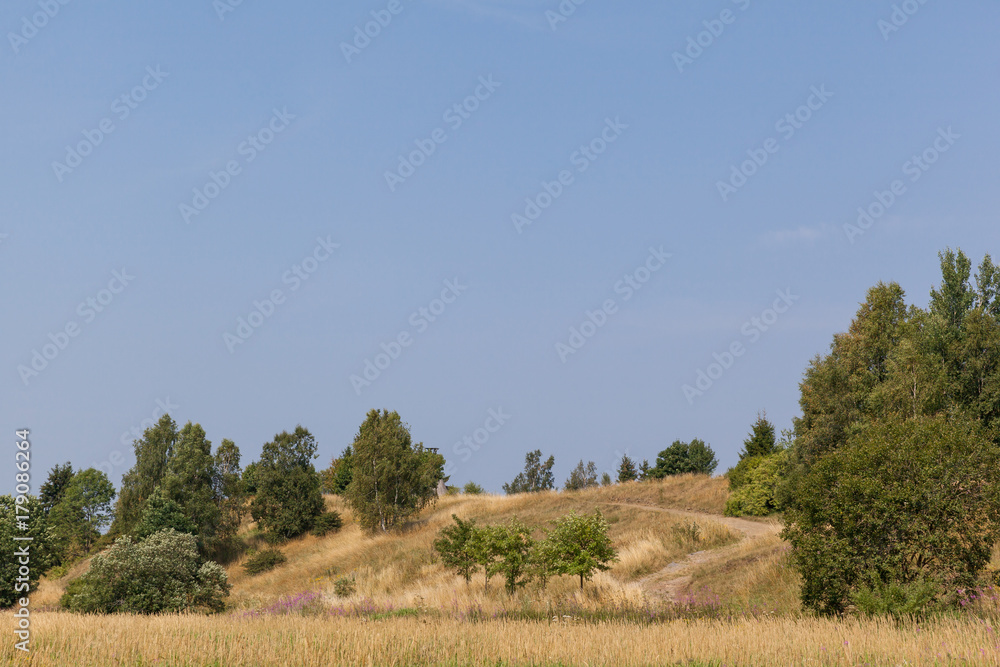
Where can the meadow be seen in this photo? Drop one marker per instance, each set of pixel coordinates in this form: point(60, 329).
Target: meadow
point(690, 587)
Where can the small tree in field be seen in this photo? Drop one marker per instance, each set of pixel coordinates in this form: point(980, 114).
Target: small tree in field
point(627, 471)
point(582, 477)
point(455, 546)
point(514, 546)
point(581, 545)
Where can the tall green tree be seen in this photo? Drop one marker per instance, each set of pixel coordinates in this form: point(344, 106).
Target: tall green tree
point(288, 498)
point(392, 478)
point(152, 452)
point(190, 481)
point(30, 521)
point(229, 491)
point(762, 440)
point(52, 490)
point(537, 476)
point(627, 471)
point(582, 477)
point(85, 509)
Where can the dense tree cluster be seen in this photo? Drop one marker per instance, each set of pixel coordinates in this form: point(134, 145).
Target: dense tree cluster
point(893, 479)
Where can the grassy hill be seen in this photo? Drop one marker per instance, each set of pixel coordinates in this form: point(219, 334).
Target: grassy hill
point(655, 526)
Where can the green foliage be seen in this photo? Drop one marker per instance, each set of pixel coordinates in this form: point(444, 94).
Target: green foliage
point(902, 501)
point(288, 498)
point(344, 587)
point(338, 476)
point(264, 560)
point(455, 546)
point(392, 478)
point(84, 509)
point(582, 477)
point(627, 472)
point(40, 548)
point(896, 599)
point(152, 452)
point(581, 546)
point(326, 523)
point(249, 479)
point(645, 471)
point(681, 457)
point(762, 440)
point(537, 476)
point(754, 484)
point(161, 513)
point(473, 489)
point(163, 573)
point(190, 481)
point(514, 545)
point(229, 490)
point(606, 479)
point(51, 491)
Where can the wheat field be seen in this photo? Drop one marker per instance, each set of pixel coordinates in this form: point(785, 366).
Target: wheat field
point(64, 639)
point(737, 588)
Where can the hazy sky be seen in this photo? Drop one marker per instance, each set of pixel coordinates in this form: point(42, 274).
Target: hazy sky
point(229, 209)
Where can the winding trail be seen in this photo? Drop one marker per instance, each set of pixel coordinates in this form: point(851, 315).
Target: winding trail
point(670, 582)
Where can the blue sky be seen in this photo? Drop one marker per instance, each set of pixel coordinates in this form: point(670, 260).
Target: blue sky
point(355, 258)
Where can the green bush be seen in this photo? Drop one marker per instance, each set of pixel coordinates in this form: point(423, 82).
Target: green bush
point(472, 489)
point(896, 599)
point(344, 587)
point(163, 573)
point(328, 522)
point(263, 561)
point(754, 482)
point(900, 502)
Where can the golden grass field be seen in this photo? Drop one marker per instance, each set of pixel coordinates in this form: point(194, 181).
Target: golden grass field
point(408, 610)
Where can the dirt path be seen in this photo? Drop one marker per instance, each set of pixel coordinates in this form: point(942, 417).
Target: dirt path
point(670, 582)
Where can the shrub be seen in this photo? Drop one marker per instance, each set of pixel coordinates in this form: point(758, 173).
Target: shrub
point(163, 573)
point(327, 522)
point(896, 599)
point(682, 457)
point(344, 587)
point(263, 561)
point(754, 482)
point(473, 489)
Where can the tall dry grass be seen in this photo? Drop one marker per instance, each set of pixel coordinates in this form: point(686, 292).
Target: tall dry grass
point(64, 639)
